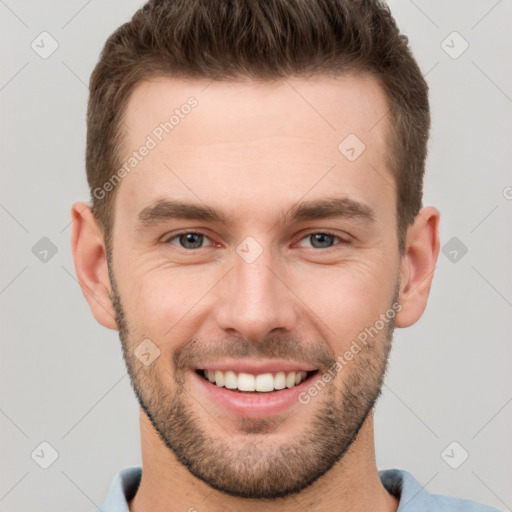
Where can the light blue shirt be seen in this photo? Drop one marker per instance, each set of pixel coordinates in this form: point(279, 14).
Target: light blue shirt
point(400, 483)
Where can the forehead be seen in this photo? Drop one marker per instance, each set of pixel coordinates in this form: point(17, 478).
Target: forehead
point(353, 102)
point(208, 138)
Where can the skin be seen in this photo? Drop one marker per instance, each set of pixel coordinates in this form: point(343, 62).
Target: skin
point(251, 151)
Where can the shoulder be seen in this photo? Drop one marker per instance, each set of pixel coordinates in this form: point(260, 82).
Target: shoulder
point(122, 489)
point(414, 498)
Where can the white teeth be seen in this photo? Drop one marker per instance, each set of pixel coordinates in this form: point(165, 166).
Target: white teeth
point(219, 378)
point(230, 380)
point(246, 382)
point(290, 380)
point(264, 382)
point(280, 380)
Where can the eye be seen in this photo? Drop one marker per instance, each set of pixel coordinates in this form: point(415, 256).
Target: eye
point(322, 240)
point(192, 240)
point(188, 239)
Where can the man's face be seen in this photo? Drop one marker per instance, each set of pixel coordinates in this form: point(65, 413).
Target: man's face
point(266, 287)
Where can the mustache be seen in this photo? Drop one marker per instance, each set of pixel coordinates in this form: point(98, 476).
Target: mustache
point(290, 348)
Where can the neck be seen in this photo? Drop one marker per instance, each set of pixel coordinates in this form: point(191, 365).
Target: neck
point(352, 484)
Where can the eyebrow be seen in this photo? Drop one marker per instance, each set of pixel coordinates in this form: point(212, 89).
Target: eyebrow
point(164, 209)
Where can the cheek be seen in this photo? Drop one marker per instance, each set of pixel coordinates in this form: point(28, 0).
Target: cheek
point(163, 302)
point(346, 298)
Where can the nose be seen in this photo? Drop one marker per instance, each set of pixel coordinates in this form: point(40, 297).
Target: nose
point(255, 300)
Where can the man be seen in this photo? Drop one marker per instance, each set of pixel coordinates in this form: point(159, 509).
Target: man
point(255, 235)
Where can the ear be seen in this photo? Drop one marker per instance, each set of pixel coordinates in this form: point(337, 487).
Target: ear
point(417, 266)
point(90, 257)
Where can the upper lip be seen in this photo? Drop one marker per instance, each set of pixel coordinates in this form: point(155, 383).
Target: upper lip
point(257, 366)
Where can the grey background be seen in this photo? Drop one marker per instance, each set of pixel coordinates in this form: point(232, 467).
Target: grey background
point(63, 380)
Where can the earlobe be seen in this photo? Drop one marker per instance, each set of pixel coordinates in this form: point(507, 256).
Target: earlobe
point(89, 255)
point(418, 264)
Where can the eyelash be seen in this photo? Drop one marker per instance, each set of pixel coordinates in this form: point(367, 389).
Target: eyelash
point(342, 241)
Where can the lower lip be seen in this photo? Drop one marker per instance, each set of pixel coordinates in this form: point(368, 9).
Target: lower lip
point(253, 405)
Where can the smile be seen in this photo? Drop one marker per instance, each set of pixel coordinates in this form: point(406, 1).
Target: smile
point(255, 392)
point(247, 382)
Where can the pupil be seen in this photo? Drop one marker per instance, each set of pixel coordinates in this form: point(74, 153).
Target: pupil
point(323, 238)
point(191, 240)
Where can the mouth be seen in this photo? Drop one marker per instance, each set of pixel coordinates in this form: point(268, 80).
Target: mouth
point(255, 384)
point(253, 388)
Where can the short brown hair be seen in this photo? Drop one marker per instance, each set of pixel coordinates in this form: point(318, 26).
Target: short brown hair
point(261, 40)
